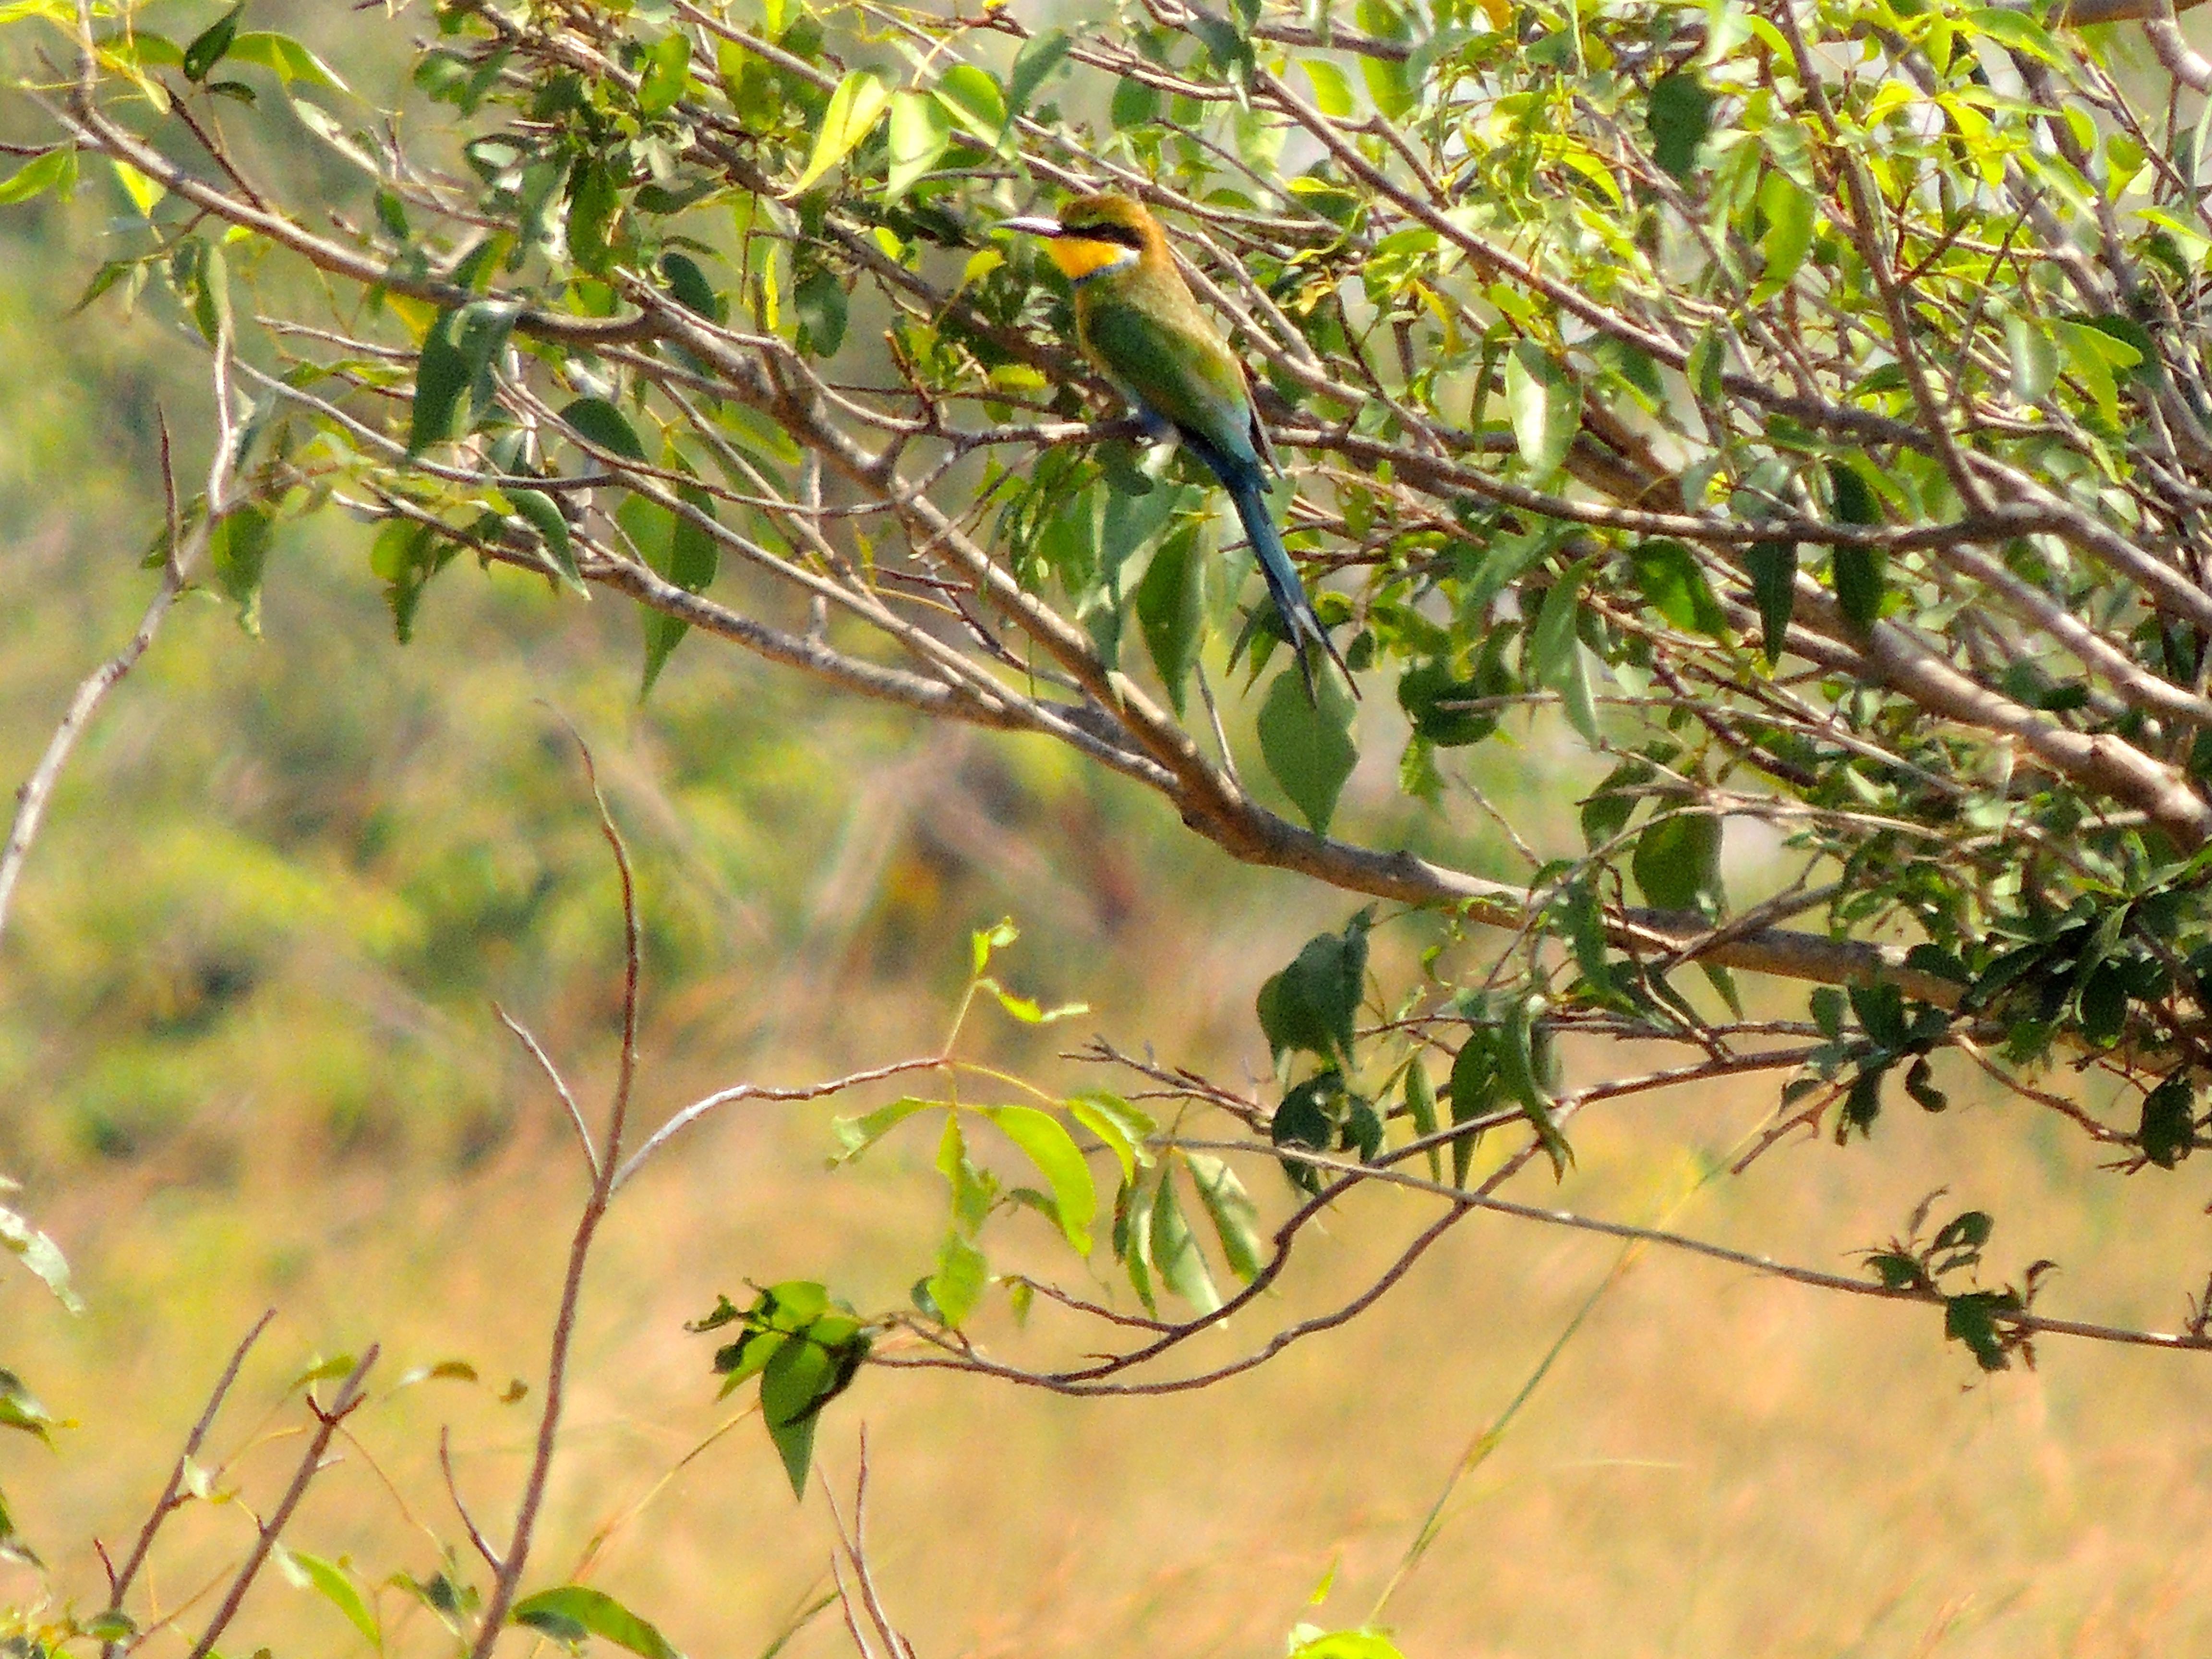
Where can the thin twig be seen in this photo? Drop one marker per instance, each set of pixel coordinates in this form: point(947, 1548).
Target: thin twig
point(536, 1052)
point(36, 793)
point(453, 1490)
point(311, 1463)
point(509, 1576)
point(119, 1582)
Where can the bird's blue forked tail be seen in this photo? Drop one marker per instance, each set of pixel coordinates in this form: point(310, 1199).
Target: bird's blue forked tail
point(1247, 491)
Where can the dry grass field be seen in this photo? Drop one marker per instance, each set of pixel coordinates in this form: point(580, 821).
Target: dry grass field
point(1718, 1464)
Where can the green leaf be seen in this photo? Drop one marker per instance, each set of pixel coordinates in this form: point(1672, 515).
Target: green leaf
point(1309, 750)
point(1544, 405)
point(853, 110)
point(1133, 1238)
point(1555, 653)
point(1120, 1126)
point(1393, 85)
point(857, 1134)
point(237, 556)
point(1678, 115)
point(1345, 1644)
point(2034, 356)
point(211, 43)
point(286, 59)
point(819, 301)
point(1473, 1091)
point(578, 1608)
point(957, 1283)
point(1332, 87)
point(1773, 567)
point(1859, 585)
point(1301, 1123)
point(598, 422)
point(667, 68)
point(2168, 1131)
point(1421, 1108)
point(1229, 1207)
point(690, 558)
point(544, 515)
point(594, 199)
point(1171, 610)
point(1040, 54)
point(454, 376)
point(1135, 103)
point(974, 101)
point(1046, 1144)
point(1677, 862)
point(331, 1581)
point(920, 130)
point(36, 1251)
point(689, 283)
point(20, 1411)
point(2092, 355)
point(57, 168)
point(1310, 1004)
point(1176, 1254)
point(1675, 586)
point(1791, 220)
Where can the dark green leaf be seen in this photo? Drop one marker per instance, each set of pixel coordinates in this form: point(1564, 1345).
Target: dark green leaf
point(1678, 116)
point(1474, 1089)
point(1171, 610)
point(690, 558)
point(1678, 860)
point(454, 377)
point(689, 283)
point(1302, 1121)
point(2168, 1131)
point(581, 1608)
point(1773, 567)
point(211, 44)
point(543, 515)
point(1676, 589)
point(598, 422)
point(1310, 1004)
point(821, 305)
point(238, 555)
point(1309, 750)
point(1040, 54)
point(1421, 1108)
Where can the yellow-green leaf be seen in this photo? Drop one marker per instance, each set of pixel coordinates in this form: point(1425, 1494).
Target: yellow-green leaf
point(854, 108)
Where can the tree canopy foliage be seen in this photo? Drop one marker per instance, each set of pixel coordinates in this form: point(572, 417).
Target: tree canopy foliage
point(1790, 424)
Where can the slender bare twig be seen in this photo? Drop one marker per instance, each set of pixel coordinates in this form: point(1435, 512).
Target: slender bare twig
point(516, 1556)
point(697, 1109)
point(453, 1490)
point(119, 1582)
point(536, 1052)
point(272, 1526)
point(856, 1546)
point(183, 556)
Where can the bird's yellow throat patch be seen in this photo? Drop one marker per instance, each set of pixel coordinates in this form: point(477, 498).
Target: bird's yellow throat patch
point(1077, 257)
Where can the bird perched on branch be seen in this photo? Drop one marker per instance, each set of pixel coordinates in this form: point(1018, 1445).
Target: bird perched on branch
point(1137, 321)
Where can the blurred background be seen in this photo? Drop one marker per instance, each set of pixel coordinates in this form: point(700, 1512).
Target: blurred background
point(248, 1059)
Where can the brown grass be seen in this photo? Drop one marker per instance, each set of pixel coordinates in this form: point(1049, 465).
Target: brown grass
point(1719, 1463)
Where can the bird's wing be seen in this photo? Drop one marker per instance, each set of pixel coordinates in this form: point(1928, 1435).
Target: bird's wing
point(1184, 374)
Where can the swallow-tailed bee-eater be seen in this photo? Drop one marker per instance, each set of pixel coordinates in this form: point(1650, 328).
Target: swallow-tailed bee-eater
point(1137, 321)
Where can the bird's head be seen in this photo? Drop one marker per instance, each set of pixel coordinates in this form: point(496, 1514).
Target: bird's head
point(1096, 234)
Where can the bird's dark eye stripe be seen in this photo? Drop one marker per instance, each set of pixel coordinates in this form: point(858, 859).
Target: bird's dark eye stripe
point(1120, 235)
